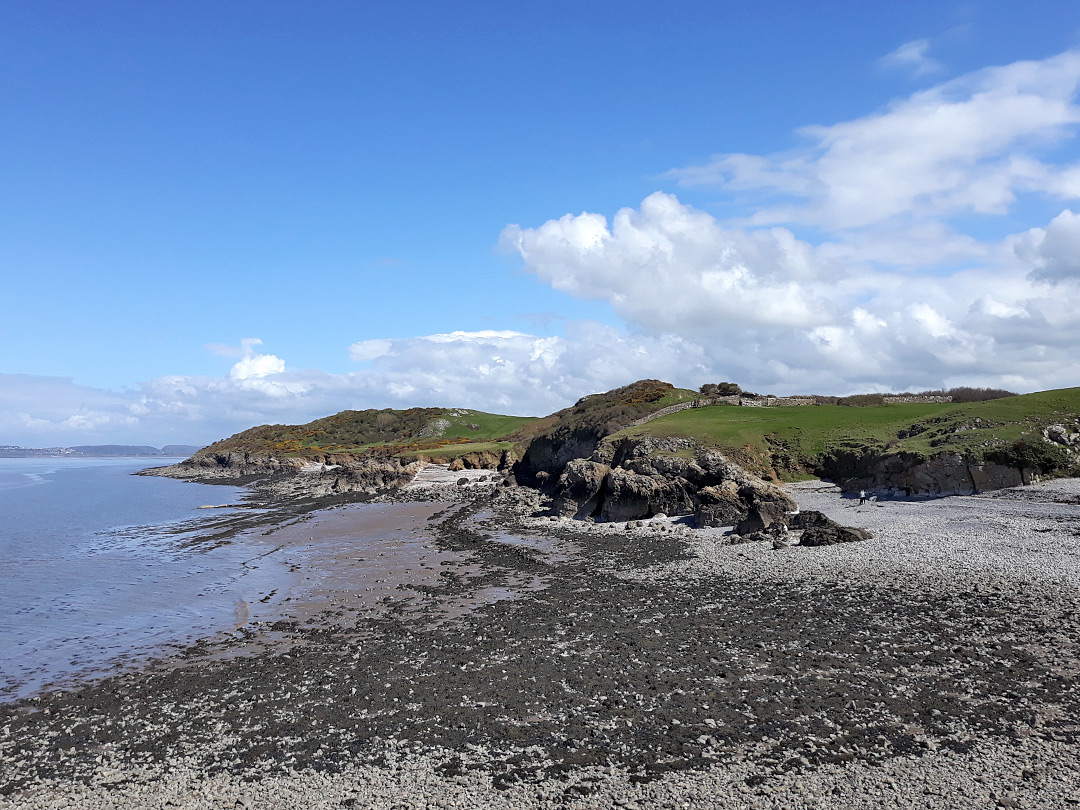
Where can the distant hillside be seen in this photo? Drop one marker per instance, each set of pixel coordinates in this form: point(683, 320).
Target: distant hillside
point(98, 451)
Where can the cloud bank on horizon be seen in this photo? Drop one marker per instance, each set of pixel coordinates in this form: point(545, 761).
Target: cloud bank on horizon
point(877, 256)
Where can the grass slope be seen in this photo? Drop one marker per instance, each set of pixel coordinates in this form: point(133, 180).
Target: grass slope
point(792, 442)
point(430, 431)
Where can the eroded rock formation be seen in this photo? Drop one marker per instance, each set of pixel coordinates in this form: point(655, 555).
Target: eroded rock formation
point(636, 478)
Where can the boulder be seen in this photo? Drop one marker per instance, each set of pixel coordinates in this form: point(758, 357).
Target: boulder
point(768, 506)
point(478, 460)
point(820, 530)
point(719, 505)
point(831, 535)
point(628, 496)
point(809, 518)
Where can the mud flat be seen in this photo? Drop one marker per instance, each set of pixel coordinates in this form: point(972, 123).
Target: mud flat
point(529, 662)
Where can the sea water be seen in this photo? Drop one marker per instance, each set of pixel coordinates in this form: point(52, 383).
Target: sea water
point(99, 566)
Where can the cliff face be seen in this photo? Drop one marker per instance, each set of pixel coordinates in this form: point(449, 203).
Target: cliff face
point(906, 474)
point(631, 479)
point(944, 474)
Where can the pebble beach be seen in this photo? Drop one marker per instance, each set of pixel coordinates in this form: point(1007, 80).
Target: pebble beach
point(496, 658)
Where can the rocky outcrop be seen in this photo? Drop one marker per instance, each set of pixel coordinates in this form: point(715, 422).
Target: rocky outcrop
point(638, 478)
point(483, 460)
point(1067, 436)
point(576, 432)
point(231, 464)
point(819, 530)
point(332, 475)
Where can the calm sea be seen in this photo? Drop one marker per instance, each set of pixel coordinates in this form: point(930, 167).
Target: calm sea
point(99, 567)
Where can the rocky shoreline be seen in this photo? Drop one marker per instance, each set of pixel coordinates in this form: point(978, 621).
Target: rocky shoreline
point(618, 665)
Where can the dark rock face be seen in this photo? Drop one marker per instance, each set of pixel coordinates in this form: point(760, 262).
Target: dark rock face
point(954, 474)
point(819, 530)
point(719, 505)
point(830, 535)
point(547, 456)
point(581, 488)
point(632, 479)
point(907, 474)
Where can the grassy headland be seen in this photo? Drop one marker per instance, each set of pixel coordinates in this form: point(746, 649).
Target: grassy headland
point(387, 432)
point(798, 441)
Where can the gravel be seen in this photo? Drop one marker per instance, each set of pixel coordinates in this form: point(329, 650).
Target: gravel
point(622, 666)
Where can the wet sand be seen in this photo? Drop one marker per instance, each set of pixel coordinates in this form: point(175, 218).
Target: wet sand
point(626, 667)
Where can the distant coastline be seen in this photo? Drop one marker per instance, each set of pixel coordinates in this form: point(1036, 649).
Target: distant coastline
point(99, 451)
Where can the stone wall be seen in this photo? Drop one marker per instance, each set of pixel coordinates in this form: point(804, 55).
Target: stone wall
point(917, 398)
point(682, 406)
point(777, 402)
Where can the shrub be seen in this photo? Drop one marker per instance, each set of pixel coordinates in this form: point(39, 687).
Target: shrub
point(1026, 454)
point(862, 400)
point(966, 394)
point(724, 389)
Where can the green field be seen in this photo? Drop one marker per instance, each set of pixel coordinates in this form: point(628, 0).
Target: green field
point(477, 424)
point(788, 441)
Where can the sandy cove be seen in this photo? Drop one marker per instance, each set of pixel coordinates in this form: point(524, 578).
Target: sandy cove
point(529, 662)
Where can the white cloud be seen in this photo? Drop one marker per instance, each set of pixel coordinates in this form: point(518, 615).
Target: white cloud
point(1053, 252)
point(779, 314)
point(969, 145)
point(500, 371)
point(369, 349)
point(912, 57)
point(256, 366)
point(671, 268)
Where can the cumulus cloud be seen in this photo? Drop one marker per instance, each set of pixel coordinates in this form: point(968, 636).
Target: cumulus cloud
point(1053, 252)
point(911, 57)
point(256, 366)
point(672, 268)
point(968, 145)
point(779, 313)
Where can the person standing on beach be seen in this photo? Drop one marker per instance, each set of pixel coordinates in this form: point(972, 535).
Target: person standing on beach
point(862, 497)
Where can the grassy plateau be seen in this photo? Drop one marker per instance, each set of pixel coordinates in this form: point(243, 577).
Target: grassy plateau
point(789, 442)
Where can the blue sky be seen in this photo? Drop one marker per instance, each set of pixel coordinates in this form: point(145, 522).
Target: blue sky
point(219, 214)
